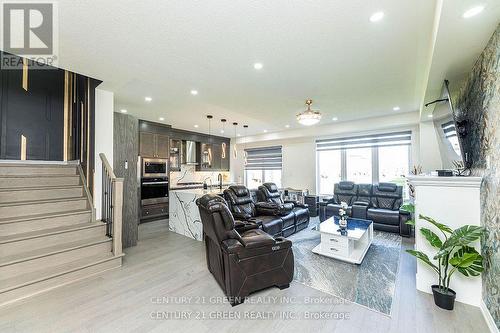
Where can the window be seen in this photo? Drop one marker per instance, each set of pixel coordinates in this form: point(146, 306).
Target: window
point(329, 170)
point(393, 164)
point(263, 165)
point(359, 165)
point(366, 159)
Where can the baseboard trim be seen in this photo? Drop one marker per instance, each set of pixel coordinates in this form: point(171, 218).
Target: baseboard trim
point(489, 319)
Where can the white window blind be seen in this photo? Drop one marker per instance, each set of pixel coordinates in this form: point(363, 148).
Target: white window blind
point(266, 158)
point(377, 140)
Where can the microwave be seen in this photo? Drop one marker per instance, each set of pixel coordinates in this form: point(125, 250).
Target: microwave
point(154, 168)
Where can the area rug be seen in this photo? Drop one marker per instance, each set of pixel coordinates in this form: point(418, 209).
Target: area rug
point(371, 284)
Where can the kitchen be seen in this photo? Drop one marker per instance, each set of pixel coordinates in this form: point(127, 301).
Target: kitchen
point(172, 168)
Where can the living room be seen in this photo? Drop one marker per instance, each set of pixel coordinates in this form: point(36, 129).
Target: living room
point(243, 166)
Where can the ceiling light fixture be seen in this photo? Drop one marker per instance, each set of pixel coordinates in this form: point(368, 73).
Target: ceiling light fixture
point(148, 99)
point(309, 117)
point(223, 121)
point(258, 66)
point(265, 131)
point(473, 11)
point(335, 118)
point(194, 92)
point(377, 16)
point(287, 126)
point(162, 119)
point(429, 116)
point(396, 108)
point(123, 111)
point(196, 126)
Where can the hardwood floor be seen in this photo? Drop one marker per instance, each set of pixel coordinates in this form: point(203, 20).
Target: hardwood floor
point(163, 264)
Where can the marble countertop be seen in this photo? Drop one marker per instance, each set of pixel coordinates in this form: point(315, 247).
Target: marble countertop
point(199, 191)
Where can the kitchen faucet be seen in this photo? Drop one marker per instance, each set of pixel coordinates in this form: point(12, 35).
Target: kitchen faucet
point(219, 178)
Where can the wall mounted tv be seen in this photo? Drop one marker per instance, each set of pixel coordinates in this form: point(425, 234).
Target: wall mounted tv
point(451, 130)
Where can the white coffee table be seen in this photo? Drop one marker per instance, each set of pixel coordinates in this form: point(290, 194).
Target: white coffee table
point(351, 247)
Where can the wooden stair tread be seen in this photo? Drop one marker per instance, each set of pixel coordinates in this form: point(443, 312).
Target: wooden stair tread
point(48, 232)
point(50, 250)
point(43, 216)
point(53, 271)
point(39, 188)
point(52, 175)
point(34, 202)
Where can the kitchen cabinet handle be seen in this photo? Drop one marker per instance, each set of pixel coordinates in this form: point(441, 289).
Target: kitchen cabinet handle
point(334, 240)
point(333, 249)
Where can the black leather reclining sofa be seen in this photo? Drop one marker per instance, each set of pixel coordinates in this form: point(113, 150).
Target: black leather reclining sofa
point(380, 203)
point(275, 217)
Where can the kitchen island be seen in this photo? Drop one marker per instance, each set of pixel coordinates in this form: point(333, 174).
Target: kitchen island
point(184, 217)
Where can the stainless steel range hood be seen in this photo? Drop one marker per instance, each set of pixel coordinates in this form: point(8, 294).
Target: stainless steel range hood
point(189, 153)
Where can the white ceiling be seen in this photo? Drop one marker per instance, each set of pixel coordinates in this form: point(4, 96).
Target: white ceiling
point(325, 50)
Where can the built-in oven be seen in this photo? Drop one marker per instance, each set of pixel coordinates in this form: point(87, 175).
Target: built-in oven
point(154, 168)
point(154, 190)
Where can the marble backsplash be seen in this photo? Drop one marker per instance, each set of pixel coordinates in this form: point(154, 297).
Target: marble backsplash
point(479, 101)
point(188, 174)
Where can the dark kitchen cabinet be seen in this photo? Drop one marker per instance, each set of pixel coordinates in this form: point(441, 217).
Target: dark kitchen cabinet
point(162, 146)
point(175, 155)
point(153, 145)
point(147, 145)
point(225, 156)
point(213, 156)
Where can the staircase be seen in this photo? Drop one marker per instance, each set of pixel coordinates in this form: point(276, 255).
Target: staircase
point(48, 233)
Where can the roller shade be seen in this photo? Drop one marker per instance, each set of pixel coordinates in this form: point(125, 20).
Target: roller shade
point(449, 129)
point(267, 158)
point(367, 141)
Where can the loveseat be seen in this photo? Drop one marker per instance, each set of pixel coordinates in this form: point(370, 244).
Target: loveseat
point(379, 203)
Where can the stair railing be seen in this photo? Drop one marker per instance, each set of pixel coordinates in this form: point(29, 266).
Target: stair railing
point(112, 203)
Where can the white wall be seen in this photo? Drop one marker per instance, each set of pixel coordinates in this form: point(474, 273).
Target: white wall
point(430, 156)
point(104, 107)
point(299, 148)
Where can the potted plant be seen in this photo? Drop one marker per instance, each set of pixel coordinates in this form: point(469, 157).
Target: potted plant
point(453, 255)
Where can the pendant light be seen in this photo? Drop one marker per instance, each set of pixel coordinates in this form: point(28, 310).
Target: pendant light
point(223, 145)
point(235, 151)
point(245, 154)
point(309, 117)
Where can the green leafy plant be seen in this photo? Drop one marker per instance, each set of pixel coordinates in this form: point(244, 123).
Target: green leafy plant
point(453, 253)
point(410, 208)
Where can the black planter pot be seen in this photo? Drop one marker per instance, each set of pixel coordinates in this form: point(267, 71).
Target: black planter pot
point(444, 299)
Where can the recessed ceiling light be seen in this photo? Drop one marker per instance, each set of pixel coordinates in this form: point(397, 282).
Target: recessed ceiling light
point(265, 131)
point(377, 16)
point(287, 126)
point(221, 131)
point(430, 115)
point(396, 108)
point(473, 11)
point(194, 92)
point(335, 118)
point(238, 134)
point(162, 119)
point(196, 126)
point(258, 66)
point(148, 99)
point(123, 111)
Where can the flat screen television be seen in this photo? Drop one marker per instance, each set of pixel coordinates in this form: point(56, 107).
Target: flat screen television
point(451, 132)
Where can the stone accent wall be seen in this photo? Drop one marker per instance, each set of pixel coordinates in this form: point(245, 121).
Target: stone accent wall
point(479, 102)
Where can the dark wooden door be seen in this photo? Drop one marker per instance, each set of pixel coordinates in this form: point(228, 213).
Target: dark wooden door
point(162, 146)
point(36, 114)
point(147, 145)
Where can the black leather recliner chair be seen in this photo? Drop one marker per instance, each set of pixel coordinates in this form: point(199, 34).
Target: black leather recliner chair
point(384, 210)
point(268, 192)
point(342, 192)
point(246, 262)
point(265, 214)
